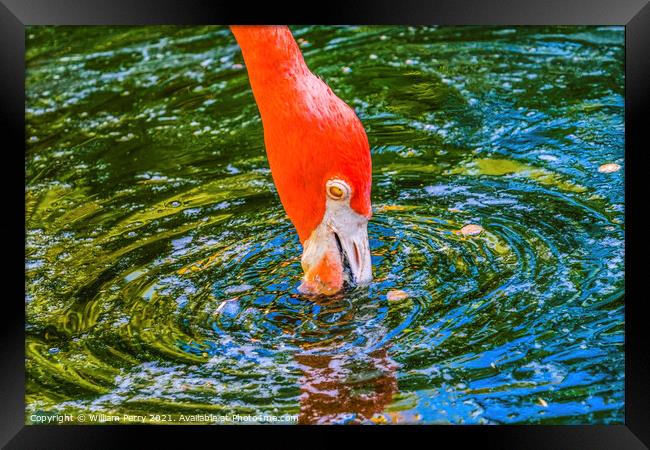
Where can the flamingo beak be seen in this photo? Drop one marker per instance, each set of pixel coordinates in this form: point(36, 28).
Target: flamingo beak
point(337, 252)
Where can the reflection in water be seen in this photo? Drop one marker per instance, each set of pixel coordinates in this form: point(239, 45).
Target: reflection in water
point(162, 273)
point(340, 389)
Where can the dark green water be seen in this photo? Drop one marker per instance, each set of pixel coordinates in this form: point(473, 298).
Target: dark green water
point(162, 271)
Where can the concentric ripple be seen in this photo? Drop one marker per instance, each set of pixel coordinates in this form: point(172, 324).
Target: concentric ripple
point(162, 272)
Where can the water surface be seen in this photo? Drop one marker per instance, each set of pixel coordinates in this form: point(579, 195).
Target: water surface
point(162, 272)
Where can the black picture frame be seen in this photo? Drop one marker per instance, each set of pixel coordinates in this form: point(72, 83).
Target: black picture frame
point(16, 14)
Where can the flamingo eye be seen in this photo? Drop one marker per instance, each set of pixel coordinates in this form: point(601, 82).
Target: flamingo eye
point(336, 192)
point(337, 189)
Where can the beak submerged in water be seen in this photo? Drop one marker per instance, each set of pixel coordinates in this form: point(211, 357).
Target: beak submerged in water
point(337, 252)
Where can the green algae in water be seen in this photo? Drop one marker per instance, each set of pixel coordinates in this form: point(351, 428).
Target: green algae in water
point(162, 272)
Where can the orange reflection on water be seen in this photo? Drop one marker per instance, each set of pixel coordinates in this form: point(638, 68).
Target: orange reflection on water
point(332, 392)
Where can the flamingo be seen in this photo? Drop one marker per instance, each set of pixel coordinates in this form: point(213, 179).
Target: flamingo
point(319, 157)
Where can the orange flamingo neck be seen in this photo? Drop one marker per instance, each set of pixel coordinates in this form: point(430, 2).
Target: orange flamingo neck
point(273, 59)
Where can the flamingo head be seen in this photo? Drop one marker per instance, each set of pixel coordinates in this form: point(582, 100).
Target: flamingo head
point(337, 250)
